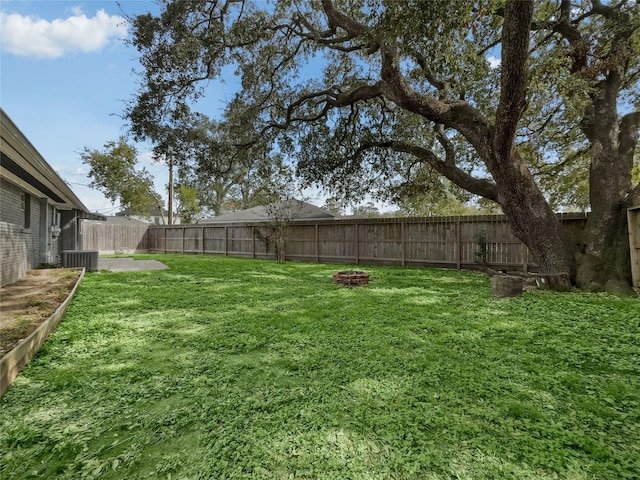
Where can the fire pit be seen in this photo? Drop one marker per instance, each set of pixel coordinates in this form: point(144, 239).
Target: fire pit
point(351, 278)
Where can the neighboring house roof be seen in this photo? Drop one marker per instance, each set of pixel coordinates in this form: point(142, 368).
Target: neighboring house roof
point(155, 212)
point(154, 216)
point(300, 211)
point(22, 164)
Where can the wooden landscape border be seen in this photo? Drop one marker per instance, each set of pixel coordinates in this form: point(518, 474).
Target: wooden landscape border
point(14, 361)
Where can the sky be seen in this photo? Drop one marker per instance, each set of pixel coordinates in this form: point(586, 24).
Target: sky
point(65, 75)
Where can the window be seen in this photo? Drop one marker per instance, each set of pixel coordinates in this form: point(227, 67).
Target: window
point(25, 208)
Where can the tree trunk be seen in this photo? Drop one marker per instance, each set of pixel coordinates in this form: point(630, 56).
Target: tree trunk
point(605, 263)
point(532, 219)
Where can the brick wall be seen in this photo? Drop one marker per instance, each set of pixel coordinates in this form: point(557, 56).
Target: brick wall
point(16, 253)
point(19, 247)
point(10, 203)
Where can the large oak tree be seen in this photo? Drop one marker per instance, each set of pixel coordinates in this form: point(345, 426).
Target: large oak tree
point(366, 92)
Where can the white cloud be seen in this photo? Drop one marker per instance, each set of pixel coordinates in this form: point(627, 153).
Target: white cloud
point(493, 62)
point(80, 171)
point(35, 37)
point(59, 168)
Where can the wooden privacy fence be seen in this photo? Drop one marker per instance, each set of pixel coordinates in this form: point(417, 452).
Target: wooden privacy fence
point(114, 238)
point(449, 242)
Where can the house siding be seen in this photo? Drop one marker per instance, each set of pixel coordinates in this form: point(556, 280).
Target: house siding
point(19, 247)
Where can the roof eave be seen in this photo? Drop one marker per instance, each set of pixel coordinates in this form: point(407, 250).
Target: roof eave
point(22, 164)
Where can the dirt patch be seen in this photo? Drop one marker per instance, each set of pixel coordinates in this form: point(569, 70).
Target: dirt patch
point(24, 305)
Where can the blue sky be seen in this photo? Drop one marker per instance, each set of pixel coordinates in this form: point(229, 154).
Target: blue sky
point(64, 76)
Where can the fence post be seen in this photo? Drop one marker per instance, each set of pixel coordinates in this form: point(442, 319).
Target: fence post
point(184, 231)
point(225, 240)
point(253, 241)
point(165, 239)
point(317, 243)
point(402, 244)
point(357, 243)
point(202, 238)
point(525, 258)
point(458, 246)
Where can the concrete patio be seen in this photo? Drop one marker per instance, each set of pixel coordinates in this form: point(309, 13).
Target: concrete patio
point(127, 264)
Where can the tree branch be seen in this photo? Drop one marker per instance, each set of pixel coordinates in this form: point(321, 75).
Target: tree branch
point(327, 38)
point(431, 78)
point(450, 154)
point(568, 30)
point(457, 114)
point(365, 92)
point(332, 98)
point(353, 28)
point(477, 186)
point(553, 169)
point(515, 46)
point(338, 19)
point(604, 10)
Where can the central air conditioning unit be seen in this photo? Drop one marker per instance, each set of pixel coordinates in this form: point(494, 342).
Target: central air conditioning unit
point(80, 258)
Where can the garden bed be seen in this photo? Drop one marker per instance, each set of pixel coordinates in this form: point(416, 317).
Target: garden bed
point(30, 310)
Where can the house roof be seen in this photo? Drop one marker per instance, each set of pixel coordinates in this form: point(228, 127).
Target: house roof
point(22, 164)
point(299, 210)
point(155, 212)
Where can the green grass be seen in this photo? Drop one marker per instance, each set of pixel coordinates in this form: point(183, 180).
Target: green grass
point(230, 368)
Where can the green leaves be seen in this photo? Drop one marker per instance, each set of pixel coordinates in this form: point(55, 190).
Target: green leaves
point(113, 172)
point(224, 175)
point(299, 67)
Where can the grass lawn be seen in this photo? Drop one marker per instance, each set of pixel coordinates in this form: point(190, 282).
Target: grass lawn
point(232, 368)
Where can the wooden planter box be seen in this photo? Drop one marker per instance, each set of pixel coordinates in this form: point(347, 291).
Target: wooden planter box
point(16, 359)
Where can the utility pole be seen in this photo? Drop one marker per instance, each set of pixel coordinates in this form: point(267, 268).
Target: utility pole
point(170, 189)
